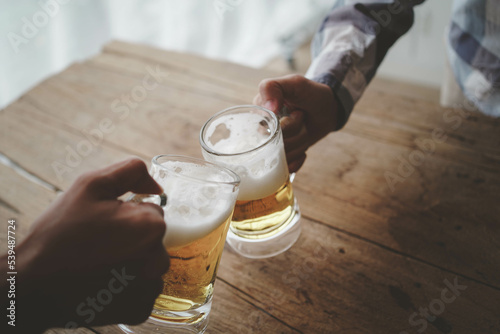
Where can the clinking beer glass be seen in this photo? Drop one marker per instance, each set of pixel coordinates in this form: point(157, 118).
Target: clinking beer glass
point(248, 140)
point(201, 198)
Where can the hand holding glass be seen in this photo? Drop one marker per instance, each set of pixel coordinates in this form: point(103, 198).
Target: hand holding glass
point(201, 198)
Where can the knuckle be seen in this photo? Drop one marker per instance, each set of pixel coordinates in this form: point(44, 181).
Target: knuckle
point(299, 80)
point(263, 83)
point(110, 175)
point(147, 215)
point(94, 180)
point(151, 220)
point(136, 163)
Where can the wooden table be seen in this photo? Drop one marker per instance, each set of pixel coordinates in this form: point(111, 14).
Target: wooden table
point(397, 206)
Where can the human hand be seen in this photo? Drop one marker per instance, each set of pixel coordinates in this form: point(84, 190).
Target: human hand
point(91, 259)
point(313, 113)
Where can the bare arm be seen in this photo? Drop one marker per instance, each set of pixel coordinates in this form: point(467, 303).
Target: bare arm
point(91, 259)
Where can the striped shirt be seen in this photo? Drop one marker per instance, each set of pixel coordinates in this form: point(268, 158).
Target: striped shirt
point(354, 38)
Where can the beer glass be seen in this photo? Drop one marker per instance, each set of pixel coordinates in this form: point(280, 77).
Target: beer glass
point(248, 140)
point(200, 202)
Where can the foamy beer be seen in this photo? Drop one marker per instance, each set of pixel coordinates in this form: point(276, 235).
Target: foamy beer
point(248, 140)
point(200, 202)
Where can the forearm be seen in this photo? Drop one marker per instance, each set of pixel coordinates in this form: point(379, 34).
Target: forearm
point(352, 42)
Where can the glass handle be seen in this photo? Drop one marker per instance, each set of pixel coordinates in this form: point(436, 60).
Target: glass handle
point(285, 111)
point(160, 200)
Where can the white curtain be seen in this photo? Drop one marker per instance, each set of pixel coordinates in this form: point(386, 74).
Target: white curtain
point(40, 38)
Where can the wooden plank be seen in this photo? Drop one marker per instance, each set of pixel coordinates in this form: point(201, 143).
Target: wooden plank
point(446, 204)
point(227, 301)
point(439, 213)
point(162, 122)
point(222, 70)
point(464, 129)
point(37, 144)
point(233, 313)
point(329, 282)
point(63, 102)
point(173, 75)
point(21, 200)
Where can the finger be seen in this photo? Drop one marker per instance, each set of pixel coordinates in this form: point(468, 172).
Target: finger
point(129, 175)
point(292, 143)
point(152, 206)
point(295, 165)
point(149, 218)
point(139, 225)
point(292, 125)
point(290, 88)
point(297, 153)
point(158, 262)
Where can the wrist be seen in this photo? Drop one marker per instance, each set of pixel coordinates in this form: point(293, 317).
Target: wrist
point(330, 105)
point(340, 112)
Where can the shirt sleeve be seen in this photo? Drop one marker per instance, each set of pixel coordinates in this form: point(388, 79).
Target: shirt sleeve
point(474, 53)
point(352, 42)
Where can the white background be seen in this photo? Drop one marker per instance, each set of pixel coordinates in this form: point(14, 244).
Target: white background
point(248, 32)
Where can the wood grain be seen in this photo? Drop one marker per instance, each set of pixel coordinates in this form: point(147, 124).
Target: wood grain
point(371, 253)
point(333, 283)
point(231, 313)
point(21, 200)
point(446, 204)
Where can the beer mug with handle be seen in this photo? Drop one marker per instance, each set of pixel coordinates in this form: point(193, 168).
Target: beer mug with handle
point(248, 140)
point(199, 202)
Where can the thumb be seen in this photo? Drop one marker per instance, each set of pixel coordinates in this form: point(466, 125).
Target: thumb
point(271, 95)
point(129, 175)
point(290, 89)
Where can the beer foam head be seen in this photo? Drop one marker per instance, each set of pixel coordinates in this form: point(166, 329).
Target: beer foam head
point(263, 170)
point(236, 133)
point(194, 207)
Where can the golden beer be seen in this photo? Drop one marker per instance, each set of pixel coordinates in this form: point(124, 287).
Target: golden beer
point(261, 218)
point(190, 280)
